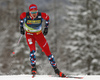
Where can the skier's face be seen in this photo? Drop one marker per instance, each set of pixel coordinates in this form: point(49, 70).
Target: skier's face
point(34, 13)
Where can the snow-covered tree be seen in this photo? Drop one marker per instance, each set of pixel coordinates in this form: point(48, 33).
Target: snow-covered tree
point(83, 39)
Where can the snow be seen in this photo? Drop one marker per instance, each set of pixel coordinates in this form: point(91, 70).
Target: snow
point(45, 77)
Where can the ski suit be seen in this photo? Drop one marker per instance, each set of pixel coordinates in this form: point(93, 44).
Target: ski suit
point(34, 33)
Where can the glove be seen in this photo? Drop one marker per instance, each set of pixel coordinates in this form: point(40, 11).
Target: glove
point(45, 31)
point(22, 31)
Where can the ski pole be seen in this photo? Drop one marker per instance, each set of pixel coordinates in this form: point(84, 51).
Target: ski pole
point(18, 42)
point(19, 39)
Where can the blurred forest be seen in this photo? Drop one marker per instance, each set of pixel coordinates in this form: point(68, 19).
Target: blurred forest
point(74, 37)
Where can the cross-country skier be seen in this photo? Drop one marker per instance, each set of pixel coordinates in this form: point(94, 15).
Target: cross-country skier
point(30, 25)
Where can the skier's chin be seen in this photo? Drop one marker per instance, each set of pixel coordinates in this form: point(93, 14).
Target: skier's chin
point(34, 15)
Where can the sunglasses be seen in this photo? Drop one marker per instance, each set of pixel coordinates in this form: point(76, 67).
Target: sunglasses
point(33, 12)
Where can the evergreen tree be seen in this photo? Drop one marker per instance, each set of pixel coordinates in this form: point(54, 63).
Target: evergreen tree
point(83, 39)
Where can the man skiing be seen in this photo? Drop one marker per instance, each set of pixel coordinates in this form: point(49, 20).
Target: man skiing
point(30, 25)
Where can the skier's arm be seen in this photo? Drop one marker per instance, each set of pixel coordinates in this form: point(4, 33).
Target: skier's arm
point(45, 17)
point(22, 17)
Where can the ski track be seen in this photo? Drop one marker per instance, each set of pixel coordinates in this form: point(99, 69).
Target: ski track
point(45, 77)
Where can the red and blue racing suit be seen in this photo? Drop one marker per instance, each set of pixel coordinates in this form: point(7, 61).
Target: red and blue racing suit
point(34, 33)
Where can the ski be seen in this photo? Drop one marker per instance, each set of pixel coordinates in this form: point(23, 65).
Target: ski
point(74, 77)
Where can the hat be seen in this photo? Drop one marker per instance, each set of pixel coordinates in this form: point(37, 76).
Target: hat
point(33, 7)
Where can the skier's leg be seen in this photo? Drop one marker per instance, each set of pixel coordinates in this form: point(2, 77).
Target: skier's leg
point(33, 62)
point(54, 65)
point(43, 43)
point(52, 61)
point(31, 43)
point(45, 47)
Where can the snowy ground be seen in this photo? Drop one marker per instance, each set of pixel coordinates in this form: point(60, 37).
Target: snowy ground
point(45, 77)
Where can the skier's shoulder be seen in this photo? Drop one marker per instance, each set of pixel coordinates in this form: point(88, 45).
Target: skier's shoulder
point(44, 16)
point(23, 15)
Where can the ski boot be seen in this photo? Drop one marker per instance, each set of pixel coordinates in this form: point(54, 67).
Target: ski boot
point(34, 71)
point(58, 72)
